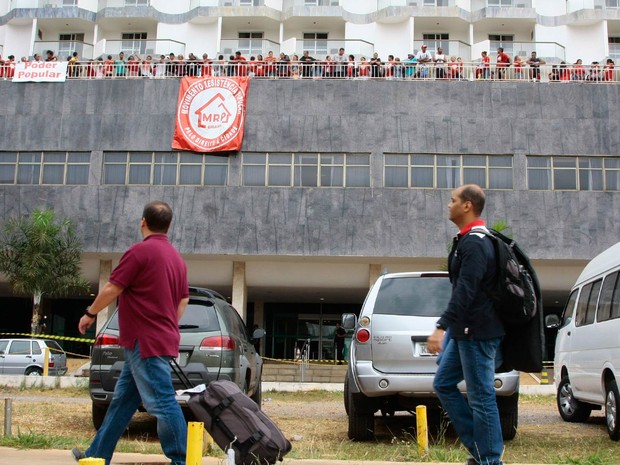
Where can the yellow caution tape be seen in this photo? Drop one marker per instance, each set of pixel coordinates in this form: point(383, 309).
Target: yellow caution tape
point(51, 336)
point(298, 361)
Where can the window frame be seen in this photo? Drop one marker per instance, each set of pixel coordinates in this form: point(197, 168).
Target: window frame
point(458, 171)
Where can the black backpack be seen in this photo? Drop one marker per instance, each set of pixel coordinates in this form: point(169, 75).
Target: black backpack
point(515, 292)
point(518, 302)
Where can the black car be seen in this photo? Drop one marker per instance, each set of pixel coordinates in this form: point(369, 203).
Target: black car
point(215, 344)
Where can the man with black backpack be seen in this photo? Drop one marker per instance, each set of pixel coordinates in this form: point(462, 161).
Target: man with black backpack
point(469, 332)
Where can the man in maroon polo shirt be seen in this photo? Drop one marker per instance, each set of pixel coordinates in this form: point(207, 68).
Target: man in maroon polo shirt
point(150, 282)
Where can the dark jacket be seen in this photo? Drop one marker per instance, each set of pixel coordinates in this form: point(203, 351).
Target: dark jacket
point(470, 313)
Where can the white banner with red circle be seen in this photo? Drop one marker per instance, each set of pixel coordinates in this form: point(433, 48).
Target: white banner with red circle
point(211, 114)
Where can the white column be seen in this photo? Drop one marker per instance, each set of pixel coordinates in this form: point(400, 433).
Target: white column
point(239, 289)
point(218, 43)
point(105, 270)
point(33, 37)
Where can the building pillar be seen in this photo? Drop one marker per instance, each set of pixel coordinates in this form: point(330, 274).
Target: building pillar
point(105, 270)
point(239, 290)
point(374, 271)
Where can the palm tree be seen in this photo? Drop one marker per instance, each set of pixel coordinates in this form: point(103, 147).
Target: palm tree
point(41, 256)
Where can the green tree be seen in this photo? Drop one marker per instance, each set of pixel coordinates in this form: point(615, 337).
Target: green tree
point(41, 257)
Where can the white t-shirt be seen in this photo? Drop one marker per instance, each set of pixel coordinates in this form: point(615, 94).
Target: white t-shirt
point(422, 55)
point(440, 60)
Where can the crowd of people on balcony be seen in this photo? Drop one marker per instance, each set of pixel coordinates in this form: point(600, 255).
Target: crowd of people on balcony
point(422, 65)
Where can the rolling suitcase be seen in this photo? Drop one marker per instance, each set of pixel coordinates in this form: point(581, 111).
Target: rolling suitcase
point(234, 420)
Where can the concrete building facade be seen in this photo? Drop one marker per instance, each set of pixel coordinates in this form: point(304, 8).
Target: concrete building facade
point(336, 182)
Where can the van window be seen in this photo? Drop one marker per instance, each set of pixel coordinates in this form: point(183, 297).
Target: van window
point(413, 296)
point(586, 307)
point(609, 303)
point(569, 308)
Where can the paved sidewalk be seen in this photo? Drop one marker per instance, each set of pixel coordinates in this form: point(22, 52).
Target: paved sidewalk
point(63, 457)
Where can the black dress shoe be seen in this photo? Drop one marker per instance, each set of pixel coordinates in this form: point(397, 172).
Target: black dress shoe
point(77, 454)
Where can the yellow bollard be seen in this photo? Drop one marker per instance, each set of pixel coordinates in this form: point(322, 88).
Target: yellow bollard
point(92, 461)
point(46, 361)
point(422, 429)
point(194, 443)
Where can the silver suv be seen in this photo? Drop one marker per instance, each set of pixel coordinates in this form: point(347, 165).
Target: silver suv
point(390, 366)
point(215, 344)
point(27, 356)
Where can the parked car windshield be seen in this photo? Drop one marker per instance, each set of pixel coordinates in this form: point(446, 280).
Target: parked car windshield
point(413, 296)
point(53, 345)
point(197, 317)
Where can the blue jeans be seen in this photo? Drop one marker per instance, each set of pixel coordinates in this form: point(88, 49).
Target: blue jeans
point(475, 418)
point(146, 381)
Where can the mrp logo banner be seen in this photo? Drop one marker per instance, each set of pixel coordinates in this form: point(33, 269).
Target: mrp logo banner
point(211, 114)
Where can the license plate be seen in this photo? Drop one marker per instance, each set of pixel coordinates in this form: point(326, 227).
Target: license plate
point(422, 350)
point(182, 359)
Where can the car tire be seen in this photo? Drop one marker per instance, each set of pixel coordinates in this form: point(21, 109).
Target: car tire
point(361, 419)
point(508, 407)
point(612, 404)
point(346, 394)
point(98, 414)
point(33, 371)
point(571, 409)
point(257, 397)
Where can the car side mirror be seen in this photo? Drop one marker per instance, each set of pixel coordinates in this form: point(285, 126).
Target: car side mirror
point(349, 321)
point(258, 333)
point(552, 321)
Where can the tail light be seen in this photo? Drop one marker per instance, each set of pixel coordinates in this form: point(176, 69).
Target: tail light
point(50, 364)
point(106, 340)
point(362, 335)
point(218, 342)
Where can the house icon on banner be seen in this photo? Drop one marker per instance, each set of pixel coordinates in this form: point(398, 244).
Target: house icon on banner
point(213, 112)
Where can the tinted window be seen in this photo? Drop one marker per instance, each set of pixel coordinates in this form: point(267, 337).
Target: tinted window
point(413, 296)
point(197, 317)
point(20, 347)
point(53, 345)
point(586, 307)
point(3, 345)
point(606, 301)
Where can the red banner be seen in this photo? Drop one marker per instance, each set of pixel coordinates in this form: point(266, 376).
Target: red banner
point(211, 114)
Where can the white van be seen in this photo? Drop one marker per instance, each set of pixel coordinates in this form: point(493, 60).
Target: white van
point(587, 350)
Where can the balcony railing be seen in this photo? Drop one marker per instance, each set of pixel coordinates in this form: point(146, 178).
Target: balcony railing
point(122, 3)
point(576, 5)
point(450, 47)
point(480, 4)
point(354, 70)
point(64, 48)
point(143, 47)
point(416, 3)
point(287, 4)
point(551, 52)
point(319, 48)
point(248, 47)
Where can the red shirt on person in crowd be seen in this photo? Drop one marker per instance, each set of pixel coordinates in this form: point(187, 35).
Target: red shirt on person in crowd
point(147, 305)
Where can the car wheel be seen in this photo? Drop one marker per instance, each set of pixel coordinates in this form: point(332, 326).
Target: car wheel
point(98, 413)
point(257, 397)
point(612, 403)
point(34, 371)
point(361, 418)
point(571, 409)
point(508, 407)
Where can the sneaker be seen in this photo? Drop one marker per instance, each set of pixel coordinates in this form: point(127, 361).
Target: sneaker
point(77, 454)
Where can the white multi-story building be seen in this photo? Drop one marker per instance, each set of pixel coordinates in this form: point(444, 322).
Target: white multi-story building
point(558, 30)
